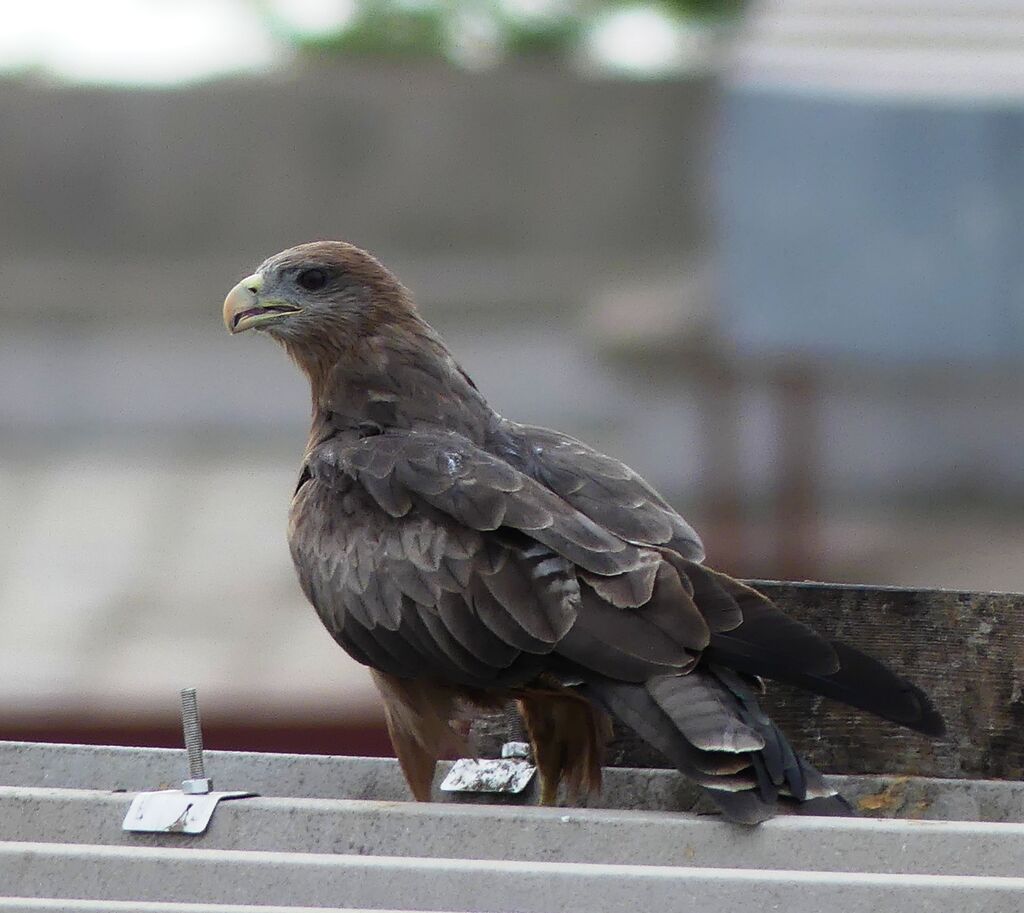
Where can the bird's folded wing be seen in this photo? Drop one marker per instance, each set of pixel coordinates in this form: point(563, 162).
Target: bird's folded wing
point(447, 555)
point(422, 595)
point(604, 489)
point(476, 488)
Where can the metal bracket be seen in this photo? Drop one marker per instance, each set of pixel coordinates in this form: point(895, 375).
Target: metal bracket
point(171, 811)
point(188, 810)
point(511, 773)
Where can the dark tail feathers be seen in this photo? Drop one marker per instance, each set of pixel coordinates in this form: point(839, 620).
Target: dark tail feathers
point(860, 681)
point(709, 725)
point(767, 642)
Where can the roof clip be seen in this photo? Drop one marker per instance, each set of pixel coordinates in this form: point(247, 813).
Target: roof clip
point(188, 810)
point(511, 773)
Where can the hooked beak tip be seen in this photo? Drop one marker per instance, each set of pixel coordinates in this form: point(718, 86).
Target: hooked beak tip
point(243, 297)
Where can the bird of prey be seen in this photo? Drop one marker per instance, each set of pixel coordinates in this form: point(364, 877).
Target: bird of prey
point(468, 559)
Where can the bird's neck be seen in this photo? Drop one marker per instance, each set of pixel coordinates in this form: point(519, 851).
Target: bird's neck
point(399, 376)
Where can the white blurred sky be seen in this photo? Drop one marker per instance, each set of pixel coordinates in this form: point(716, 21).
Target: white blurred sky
point(134, 41)
point(166, 42)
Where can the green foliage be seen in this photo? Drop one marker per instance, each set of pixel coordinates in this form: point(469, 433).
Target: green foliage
point(386, 29)
point(705, 9)
point(543, 39)
point(434, 28)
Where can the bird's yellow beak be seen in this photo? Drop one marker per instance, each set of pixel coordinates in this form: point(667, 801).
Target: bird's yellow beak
point(245, 309)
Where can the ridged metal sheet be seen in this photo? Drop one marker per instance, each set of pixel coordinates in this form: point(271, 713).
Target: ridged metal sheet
point(64, 847)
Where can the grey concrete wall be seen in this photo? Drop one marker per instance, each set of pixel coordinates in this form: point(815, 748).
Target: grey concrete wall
point(505, 200)
point(145, 196)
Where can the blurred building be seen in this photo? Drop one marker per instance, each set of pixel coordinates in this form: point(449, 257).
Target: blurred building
point(147, 458)
point(789, 296)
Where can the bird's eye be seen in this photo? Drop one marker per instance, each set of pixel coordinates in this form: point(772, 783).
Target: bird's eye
point(312, 280)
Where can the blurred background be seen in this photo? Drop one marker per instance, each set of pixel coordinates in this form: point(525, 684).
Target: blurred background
point(768, 254)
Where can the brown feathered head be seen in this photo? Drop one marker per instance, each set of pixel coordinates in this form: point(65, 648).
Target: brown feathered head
point(351, 327)
point(322, 288)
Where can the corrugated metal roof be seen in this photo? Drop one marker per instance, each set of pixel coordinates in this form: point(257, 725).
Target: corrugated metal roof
point(293, 848)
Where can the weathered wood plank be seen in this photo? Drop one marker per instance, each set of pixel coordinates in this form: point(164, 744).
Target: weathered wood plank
point(965, 649)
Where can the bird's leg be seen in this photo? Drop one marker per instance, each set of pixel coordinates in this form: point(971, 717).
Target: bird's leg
point(417, 715)
point(417, 763)
point(568, 735)
point(549, 783)
point(547, 750)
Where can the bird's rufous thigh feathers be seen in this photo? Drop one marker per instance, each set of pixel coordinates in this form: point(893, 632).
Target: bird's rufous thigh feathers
point(418, 714)
point(568, 734)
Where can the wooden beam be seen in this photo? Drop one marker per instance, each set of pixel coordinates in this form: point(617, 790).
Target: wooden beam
point(965, 649)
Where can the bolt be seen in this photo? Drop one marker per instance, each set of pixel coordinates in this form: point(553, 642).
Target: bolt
point(193, 729)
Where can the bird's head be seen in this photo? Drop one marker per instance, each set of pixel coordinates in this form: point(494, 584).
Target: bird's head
point(352, 329)
point(308, 292)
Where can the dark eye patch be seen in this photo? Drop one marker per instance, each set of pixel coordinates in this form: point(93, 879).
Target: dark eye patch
point(312, 280)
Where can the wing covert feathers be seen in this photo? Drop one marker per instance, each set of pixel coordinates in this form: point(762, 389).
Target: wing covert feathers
point(473, 487)
point(603, 488)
